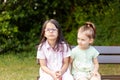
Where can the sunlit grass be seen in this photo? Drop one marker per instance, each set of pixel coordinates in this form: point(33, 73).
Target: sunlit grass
point(14, 67)
point(109, 69)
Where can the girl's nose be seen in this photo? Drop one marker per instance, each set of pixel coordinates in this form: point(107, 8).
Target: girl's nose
point(51, 30)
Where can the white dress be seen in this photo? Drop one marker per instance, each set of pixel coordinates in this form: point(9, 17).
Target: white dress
point(54, 61)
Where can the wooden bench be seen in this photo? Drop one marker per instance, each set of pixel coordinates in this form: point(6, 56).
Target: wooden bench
point(109, 55)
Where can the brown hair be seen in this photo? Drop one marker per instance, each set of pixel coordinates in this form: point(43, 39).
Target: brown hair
point(89, 28)
point(60, 38)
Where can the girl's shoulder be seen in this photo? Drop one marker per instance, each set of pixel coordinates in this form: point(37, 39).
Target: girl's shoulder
point(94, 50)
point(41, 45)
point(75, 48)
point(64, 46)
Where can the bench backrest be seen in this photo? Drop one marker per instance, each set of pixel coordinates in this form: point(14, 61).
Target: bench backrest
point(108, 54)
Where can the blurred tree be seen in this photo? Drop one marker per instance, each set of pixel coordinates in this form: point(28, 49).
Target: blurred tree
point(21, 20)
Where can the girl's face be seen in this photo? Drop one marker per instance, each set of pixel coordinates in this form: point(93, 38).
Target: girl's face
point(51, 32)
point(83, 40)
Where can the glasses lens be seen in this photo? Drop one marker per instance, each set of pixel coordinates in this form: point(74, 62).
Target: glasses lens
point(52, 29)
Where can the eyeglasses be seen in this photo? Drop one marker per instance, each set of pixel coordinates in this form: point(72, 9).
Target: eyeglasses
point(50, 29)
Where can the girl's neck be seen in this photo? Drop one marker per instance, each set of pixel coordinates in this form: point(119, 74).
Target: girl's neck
point(52, 43)
point(84, 48)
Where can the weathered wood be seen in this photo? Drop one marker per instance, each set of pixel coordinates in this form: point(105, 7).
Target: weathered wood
point(110, 77)
point(108, 54)
point(109, 59)
point(108, 49)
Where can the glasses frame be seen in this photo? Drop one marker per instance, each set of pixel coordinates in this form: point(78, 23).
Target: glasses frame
point(51, 30)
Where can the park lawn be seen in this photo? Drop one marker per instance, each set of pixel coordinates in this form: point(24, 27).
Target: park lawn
point(109, 69)
point(17, 67)
point(14, 67)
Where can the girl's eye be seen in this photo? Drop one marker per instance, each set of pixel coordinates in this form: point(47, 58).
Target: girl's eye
point(51, 29)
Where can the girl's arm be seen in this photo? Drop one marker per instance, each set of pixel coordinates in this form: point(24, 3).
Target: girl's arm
point(96, 66)
point(70, 65)
point(46, 69)
point(65, 65)
point(64, 68)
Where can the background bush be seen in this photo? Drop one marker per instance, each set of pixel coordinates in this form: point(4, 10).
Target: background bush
point(21, 21)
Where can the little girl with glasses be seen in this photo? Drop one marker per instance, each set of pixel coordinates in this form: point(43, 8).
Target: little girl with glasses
point(84, 63)
point(53, 53)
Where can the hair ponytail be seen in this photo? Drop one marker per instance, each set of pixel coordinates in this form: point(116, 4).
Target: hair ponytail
point(92, 26)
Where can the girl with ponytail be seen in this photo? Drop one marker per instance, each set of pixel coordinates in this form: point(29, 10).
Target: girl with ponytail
point(84, 63)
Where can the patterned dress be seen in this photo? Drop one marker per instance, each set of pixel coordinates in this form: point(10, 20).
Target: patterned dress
point(82, 61)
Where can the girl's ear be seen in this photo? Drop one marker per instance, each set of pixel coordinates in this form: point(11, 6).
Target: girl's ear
point(91, 41)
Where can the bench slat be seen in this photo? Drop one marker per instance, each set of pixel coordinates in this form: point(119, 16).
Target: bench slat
point(109, 58)
point(110, 77)
point(108, 49)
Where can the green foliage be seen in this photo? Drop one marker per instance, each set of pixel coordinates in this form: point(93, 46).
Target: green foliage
point(21, 21)
point(72, 37)
point(108, 27)
point(5, 27)
point(7, 31)
point(105, 15)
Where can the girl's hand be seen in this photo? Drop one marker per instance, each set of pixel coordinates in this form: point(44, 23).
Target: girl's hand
point(95, 76)
point(59, 75)
point(94, 73)
point(53, 74)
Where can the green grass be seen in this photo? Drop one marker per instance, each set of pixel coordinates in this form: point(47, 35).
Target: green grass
point(23, 67)
point(16, 67)
point(109, 69)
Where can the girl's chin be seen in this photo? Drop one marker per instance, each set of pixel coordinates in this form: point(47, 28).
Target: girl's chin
point(81, 47)
point(52, 39)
